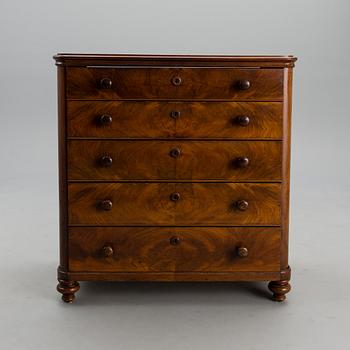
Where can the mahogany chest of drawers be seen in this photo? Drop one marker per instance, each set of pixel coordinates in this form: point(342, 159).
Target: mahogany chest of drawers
point(174, 168)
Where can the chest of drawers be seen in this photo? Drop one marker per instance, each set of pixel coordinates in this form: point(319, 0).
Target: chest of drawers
point(174, 168)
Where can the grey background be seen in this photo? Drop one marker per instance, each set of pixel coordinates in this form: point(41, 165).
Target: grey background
point(174, 316)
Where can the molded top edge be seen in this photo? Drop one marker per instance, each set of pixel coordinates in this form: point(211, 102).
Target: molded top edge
point(90, 59)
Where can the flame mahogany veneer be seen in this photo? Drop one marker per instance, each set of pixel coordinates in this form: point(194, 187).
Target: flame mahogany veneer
point(174, 168)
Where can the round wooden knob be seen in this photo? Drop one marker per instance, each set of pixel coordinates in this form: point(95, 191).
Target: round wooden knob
point(242, 205)
point(106, 204)
point(242, 252)
point(175, 114)
point(174, 240)
point(241, 162)
point(105, 119)
point(106, 83)
point(107, 251)
point(175, 152)
point(242, 120)
point(176, 80)
point(106, 161)
point(243, 84)
point(175, 196)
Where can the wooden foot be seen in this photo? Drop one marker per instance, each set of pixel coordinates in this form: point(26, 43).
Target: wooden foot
point(67, 289)
point(279, 289)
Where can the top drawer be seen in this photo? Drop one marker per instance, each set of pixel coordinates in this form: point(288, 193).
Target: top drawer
point(175, 83)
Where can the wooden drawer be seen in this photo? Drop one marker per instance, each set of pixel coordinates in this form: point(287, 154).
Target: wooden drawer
point(175, 160)
point(136, 119)
point(171, 249)
point(173, 204)
point(175, 83)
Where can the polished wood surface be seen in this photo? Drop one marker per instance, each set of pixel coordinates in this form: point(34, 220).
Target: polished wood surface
point(62, 167)
point(175, 160)
point(170, 249)
point(174, 168)
point(139, 119)
point(67, 289)
point(286, 156)
point(231, 276)
point(279, 289)
point(152, 204)
point(159, 83)
point(85, 60)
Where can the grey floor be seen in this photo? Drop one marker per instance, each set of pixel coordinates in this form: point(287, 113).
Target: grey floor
point(173, 316)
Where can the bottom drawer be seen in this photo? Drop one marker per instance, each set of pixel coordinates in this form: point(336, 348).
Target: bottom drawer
point(173, 249)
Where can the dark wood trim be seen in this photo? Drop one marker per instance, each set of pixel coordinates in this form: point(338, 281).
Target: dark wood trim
point(62, 152)
point(246, 226)
point(169, 276)
point(176, 181)
point(163, 225)
point(286, 274)
point(175, 100)
point(286, 150)
point(174, 60)
point(239, 58)
point(92, 138)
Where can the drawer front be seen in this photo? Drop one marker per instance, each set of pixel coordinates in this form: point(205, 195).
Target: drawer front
point(175, 83)
point(136, 119)
point(173, 204)
point(122, 249)
point(175, 160)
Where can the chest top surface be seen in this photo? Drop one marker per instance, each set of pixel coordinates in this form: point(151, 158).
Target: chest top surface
point(70, 59)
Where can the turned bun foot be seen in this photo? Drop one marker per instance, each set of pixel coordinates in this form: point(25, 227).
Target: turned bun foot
point(68, 290)
point(279, 289)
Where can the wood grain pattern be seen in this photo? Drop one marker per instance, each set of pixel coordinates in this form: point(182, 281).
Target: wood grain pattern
point(150, 186)
point(62, 168)
point(150, 249)
point(157, 83)
point(287, 115)
point(194, 160)
point(231, 276)
point(150, 204)
point(139, 119)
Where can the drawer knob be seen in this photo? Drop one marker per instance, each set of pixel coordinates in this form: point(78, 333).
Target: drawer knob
point(174, 240)
point(175, 152)
point(106, 161)
point(242, 205)
point(175, 196)
point(242, 252)
point(106, 204)
point(106, 83)
point(243, 84)
point(176, 80)
point(107, 251)
point(175, 114)
point(105, 119)
point(242, 162)
point(242, 120)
